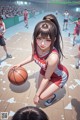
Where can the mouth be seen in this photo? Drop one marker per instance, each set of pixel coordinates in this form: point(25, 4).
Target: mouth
point(42, 46)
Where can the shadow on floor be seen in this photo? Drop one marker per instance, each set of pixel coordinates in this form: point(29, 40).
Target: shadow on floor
point(59, 95)
point(76, 104)
point(3, 60)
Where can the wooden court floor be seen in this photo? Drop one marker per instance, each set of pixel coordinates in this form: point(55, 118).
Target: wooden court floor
point(67, 105)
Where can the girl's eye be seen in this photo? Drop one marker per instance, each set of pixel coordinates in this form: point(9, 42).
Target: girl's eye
point(39, 38)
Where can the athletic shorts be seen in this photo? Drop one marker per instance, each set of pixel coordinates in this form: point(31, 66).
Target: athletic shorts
point(57, 79)
point(25, 18)
point(65, 20)
point(76, 31)
point(2, 41)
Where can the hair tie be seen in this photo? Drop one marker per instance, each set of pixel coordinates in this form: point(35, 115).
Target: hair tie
point(45, 25)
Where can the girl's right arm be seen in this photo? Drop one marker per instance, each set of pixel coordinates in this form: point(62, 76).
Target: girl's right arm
point(26, 61)
point(74, 22)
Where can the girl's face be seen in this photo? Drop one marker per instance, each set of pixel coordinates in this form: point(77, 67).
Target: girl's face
point(43, 42)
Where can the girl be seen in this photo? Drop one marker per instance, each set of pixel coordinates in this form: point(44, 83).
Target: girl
point(47, 53)
point(66, 19)
point(2, 39)
point(76, 30)
point(25, 14)
point(78, 59)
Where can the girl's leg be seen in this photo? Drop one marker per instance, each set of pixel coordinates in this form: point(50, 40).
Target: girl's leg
point(49, 91)
point(76, 33)
point(74, 38)
point(5, 49)
point(66, 25)
point(7, 55)
point(79, 52)
point(63, 26)
point(26, 22)
point(49, 94)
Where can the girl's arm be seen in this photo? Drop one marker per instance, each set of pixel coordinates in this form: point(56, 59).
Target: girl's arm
point(26, 61)
point(4, 28)
point(74, 22)
point(53, 61)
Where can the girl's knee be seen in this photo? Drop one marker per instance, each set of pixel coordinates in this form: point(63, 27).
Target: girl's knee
point(42, 97)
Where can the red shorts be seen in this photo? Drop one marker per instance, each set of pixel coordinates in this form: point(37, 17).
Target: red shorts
point(76, 31)
point(25, 18)
point(65, 20)
point(56, 79)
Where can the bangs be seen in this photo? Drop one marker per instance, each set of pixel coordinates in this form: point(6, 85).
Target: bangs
point(44, 32)
point(46, 29)
point(43, 29)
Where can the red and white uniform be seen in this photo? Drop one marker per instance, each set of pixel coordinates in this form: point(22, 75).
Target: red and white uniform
point(77, 28)
point(25, 13)
point(59, 76)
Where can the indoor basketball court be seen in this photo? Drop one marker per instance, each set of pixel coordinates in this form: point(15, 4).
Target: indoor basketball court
point(14, 97)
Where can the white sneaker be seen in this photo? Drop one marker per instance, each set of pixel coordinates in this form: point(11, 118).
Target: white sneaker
point(50, 101)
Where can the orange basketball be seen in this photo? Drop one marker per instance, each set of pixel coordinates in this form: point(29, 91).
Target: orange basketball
point(17, 75)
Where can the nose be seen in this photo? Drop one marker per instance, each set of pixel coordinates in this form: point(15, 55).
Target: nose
point(42, 42)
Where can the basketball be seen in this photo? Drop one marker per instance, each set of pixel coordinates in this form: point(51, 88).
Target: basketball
point(17, 75)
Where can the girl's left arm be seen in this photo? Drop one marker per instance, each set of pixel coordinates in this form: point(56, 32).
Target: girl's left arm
point(52, 62)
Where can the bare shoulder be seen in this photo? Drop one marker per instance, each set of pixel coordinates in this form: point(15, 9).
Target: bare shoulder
point(53, 58)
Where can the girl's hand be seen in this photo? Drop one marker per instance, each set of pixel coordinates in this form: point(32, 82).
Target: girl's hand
point(36, 99)
point(18, 65)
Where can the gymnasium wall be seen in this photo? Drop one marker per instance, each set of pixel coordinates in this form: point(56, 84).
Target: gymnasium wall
point(9, 22)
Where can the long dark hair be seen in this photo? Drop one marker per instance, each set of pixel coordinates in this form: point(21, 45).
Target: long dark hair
point(30, 113)
point(45, 28)
point(57, 44)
